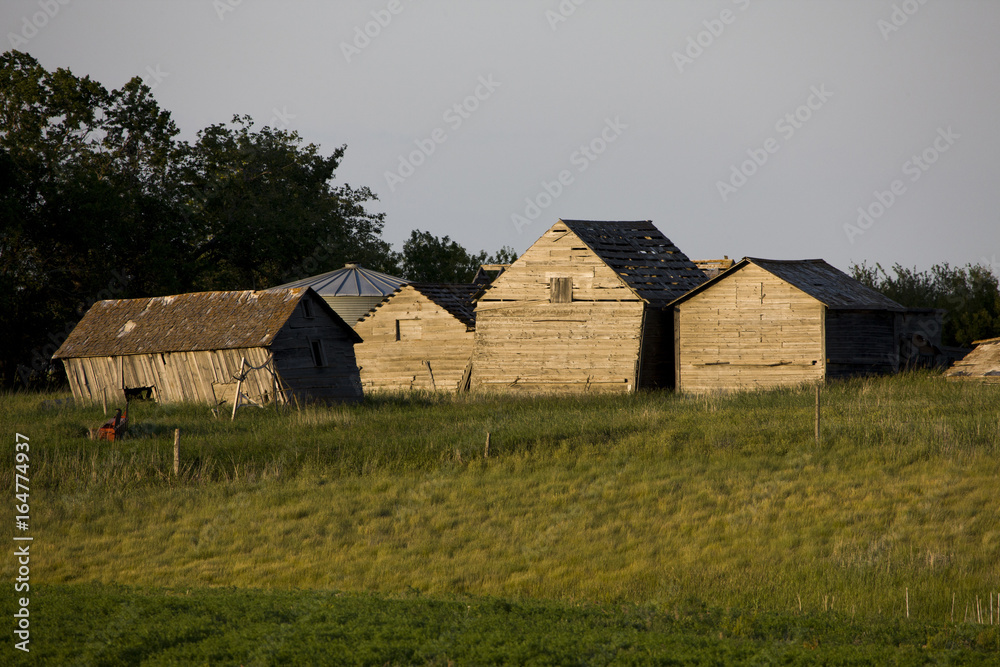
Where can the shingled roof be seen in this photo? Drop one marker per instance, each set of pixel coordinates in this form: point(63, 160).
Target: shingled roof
point(644, 258)
point(185, 322)
point(825, 283)
point(459, 299)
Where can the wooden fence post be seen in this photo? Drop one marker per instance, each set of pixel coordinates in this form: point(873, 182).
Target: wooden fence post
point(104, 400)
point(817, 414)
point(177, 451)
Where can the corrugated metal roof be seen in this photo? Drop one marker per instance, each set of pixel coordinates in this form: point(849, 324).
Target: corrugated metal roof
point(827, 284)
point(645, 259)
point(352, 280)
point(184, 322)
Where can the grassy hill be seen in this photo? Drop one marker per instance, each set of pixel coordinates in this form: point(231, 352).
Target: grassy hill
point(686, 508)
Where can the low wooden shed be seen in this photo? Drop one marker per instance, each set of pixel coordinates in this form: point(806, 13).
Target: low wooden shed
point(980, 365)
point(196, 347)
point(420, 337)
point(582, 310)
point(765, 323)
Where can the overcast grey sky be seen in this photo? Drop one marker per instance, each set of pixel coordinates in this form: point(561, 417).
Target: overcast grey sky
point(739, 127)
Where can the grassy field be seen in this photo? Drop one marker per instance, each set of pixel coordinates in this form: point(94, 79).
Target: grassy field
point(723, 505)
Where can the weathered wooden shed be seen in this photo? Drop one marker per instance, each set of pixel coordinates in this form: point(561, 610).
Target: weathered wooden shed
point(420, 337)
point(195, 347)
point(582, 310)
point(765, 323)
point(351, 291)
point(980, 365)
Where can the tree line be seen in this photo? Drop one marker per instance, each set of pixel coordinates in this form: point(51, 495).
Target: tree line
point(969, 295)
point(99, 199)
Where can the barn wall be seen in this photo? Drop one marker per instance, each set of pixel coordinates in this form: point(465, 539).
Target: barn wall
point(525, 342)
point(749, 330)
point(339, 379)
point(558, 254)
point(200, 376)
point(557, 347)
point(861, 343)
point(440, 345)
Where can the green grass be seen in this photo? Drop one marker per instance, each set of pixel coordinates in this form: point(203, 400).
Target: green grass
point(661, 501)
point(92, 625)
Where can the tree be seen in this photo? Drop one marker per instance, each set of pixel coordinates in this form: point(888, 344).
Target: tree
point(970, 296)
point(429, 259)
point(261, 202)
point(100, 200)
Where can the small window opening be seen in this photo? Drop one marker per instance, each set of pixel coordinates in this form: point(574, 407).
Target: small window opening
point(317, 351)
point(307, 310)
point(560, 290)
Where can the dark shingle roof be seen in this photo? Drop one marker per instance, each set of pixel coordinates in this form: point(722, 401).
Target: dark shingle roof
point(184, 322)
point(827, 284)
point(459, 299)
point(644, 258)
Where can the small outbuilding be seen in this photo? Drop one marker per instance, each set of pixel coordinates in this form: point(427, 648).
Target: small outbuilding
point(583, 310)
point(200, 347)
point(980, 365)
point(351, 291)
point(420, 337)
point(767, 323)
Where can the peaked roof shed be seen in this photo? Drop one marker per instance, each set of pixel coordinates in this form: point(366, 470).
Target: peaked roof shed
point(767, 322)
point(582, 310)
point(195, 347)
point(420, 337)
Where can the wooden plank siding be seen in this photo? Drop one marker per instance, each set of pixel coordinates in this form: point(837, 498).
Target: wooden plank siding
point(337, 378)
point(526, 342)
point(173, 376)
point(411, 342)
point(579, 346)
point(861, 343)
point(750, 330)
point(189, 347)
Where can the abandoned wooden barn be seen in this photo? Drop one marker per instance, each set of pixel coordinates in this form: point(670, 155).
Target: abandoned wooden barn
point(196, 347)
point(765, 323)
point(351, 291)
point(980, 365)
point(582, 310)
point(420, 337)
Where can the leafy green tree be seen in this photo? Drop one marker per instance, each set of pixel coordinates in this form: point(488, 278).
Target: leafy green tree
point(970, 295)
point(261, 201)
point(427, 258)
point(100, 200)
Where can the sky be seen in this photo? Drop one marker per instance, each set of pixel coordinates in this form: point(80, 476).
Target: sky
point(853, 131)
